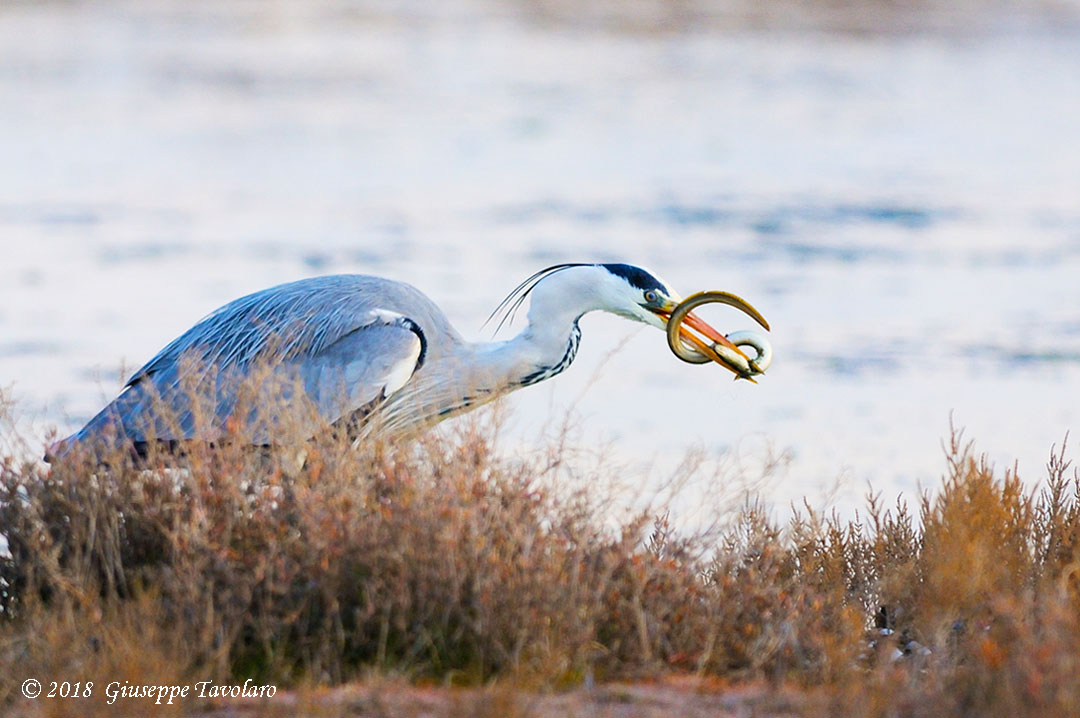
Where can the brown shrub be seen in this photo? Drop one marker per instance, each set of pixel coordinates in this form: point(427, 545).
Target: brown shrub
point(438, 558)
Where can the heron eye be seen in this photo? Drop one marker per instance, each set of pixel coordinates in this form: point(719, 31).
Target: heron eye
point(650, 296)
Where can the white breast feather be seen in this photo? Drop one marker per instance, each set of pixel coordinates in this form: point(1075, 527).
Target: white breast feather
point(403, 370)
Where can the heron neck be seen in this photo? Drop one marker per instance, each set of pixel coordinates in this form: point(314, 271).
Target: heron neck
point(537, 353)
point(476, 373)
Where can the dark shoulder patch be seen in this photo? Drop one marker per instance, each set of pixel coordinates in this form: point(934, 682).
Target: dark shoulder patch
point(415, 329)
point(637, 276)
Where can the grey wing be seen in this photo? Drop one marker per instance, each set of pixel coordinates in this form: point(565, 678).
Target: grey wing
point(290, 401)
point(329, 351)
point(281, 323)
point(361, 369)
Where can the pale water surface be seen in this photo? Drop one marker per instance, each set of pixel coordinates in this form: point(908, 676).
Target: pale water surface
point(904, 208)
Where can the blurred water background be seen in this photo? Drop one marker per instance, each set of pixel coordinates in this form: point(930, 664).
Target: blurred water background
point(895, 186)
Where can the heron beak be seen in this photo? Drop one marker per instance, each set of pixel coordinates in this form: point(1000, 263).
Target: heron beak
point(690, 347)
point(695, 322)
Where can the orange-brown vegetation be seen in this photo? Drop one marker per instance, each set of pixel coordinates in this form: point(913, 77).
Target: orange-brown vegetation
point(442, 562)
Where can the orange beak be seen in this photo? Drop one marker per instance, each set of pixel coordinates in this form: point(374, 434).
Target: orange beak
point(694, 321)
point(690, 347)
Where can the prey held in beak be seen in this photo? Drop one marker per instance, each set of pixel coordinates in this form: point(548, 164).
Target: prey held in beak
point(705, 344)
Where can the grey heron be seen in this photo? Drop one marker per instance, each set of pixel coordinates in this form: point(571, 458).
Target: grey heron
point(367, 354)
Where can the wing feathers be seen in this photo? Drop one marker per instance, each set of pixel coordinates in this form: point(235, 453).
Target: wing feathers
point(315, 374)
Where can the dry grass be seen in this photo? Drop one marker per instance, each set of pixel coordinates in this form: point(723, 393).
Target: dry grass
point(441, 561)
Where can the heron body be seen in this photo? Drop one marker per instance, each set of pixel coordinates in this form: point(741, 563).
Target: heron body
point(361, 352)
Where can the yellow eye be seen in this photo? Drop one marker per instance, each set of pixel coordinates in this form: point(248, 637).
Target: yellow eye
point(650, 296)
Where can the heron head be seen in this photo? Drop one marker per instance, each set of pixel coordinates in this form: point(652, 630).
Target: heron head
point(644, 297)
point(626, 290)
point(634, 293)
point(576, 288)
